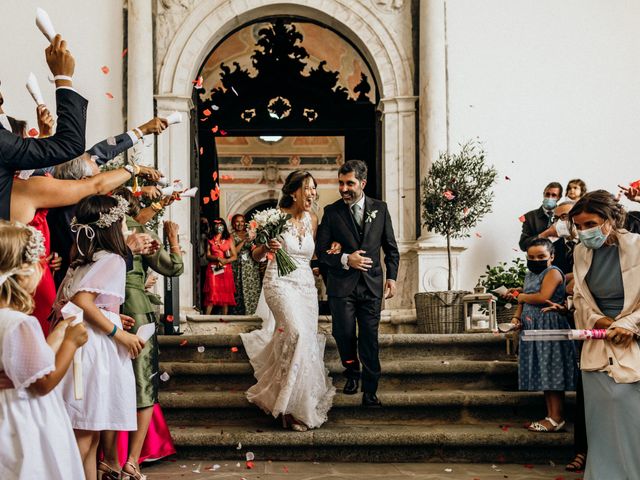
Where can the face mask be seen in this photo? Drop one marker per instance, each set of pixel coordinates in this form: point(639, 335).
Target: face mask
point(537, 266)
point(562, 227)
point(592, 238)
point(549, 203)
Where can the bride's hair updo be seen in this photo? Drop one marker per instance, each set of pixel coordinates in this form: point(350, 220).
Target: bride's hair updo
point(296, 180)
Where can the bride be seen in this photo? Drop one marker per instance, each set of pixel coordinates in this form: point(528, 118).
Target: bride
point(287, 353)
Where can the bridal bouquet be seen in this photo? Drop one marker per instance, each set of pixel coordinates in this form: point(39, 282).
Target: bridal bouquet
point(269, 224)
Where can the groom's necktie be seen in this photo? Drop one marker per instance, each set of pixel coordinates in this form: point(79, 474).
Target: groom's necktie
point(357, 215)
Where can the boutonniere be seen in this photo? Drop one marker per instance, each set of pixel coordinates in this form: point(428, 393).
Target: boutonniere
point(371, 216)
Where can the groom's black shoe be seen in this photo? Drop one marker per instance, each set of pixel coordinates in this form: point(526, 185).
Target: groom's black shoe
point(370, 400)
point(351, 387)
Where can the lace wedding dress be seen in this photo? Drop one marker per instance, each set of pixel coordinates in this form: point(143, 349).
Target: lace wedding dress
point(287, 354)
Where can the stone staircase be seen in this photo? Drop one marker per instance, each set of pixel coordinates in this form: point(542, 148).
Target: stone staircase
point(447, 398)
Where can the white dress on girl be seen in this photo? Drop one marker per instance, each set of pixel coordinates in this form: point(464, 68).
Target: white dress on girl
point(36, 439)
point(109, 401)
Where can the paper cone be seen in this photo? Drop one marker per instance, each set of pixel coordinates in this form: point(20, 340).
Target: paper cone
point(43, 22)
point(34, 89)
point(175, 117)
point(189, 193)
point(72, 310)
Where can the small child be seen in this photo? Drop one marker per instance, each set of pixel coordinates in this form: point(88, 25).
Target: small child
point(36, 438)
point(576, 189)
point(95, 282)
point(549, 366)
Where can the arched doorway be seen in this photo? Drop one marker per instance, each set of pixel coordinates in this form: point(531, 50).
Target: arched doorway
point(188, 41)
point(277, 95)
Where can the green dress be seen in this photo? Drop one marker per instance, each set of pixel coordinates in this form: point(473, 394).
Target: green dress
point(138, 304)
point(246, 274)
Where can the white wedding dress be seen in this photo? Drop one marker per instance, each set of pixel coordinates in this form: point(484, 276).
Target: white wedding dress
point(287, 354)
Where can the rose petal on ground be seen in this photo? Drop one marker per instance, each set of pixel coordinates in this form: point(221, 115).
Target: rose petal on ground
point(165, 377)
point(250, 456)
point(200, 349)
point(239, 447)
point(250, 465)
point(183, 343)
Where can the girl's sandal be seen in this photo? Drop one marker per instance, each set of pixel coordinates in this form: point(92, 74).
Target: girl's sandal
point(539, 427)
point(135, 475)
point(578, 463)
point(105, 472)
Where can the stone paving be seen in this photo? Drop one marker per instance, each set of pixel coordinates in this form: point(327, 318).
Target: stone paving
point(207, 470)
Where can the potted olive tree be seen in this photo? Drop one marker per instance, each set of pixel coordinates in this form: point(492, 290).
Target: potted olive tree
point(456, 195)
point(504, 275)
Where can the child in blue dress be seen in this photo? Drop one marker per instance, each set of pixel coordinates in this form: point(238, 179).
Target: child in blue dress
point(549, 366)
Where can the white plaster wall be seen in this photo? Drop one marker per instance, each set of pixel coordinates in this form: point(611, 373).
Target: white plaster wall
point(552, 86)
point(94, 31)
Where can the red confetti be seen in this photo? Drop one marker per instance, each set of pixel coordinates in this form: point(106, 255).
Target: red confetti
point(33, 132)
point(201, 150)
point(105, 70)
point(206, 112)
point(198, 83)
point(349, 361)
point(515, 294)
point(169, 318)
point(215, 129)
point(478, 235)
point(215, 195)
point(109, 95)
point(506, 178)
point(635, 184)
point(223, 132)
point(250, 465)
point(215, 176)
point(183, 343)
point(521, 218)
point(448, 194)
point(124, 52)
point(234, 349)
point(138, 193)
point(270, 256)
point(281, 330)
point(206, 200)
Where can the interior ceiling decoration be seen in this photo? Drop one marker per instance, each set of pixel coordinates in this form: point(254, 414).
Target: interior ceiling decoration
point(280, 91)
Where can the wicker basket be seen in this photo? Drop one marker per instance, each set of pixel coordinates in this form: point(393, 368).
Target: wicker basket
point(440, 312)
point(504, 315)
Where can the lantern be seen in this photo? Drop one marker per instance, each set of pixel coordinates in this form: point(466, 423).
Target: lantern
point(479, 311)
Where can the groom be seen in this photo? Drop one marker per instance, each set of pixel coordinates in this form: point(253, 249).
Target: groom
point(362, 226)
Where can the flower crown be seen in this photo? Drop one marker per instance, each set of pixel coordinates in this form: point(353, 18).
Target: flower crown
point(35, 249)
point(105, 220)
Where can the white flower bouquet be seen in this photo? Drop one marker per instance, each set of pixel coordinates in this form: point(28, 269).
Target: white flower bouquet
point(271, 224)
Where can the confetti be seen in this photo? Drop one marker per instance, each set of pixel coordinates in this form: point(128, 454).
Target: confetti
point(109, 96)
point(214, 176)
point(478, 235)
point(201, 150)
point(138, 193)
point(250, 456)
point(206, 200)
point(635, 184)
point(234, 350)
point(200, 349)
point(250, 465)
point(448, 470)
point(152, 375)
point(183, 343)
point(509, 307)
point(206, 112)
point(239, 447)
point(238, 464)
point(124, 52)
point(448, 194)
point(215, 129)
point(234, 91)
point(465, 211)
point(165, 377)
point(285, 469)
point(223, 132)
point(349, 361)
point(33, 132)
point(215, 107)
point(215, 194)
point(197, 470)
point(521, 218)
point(506, 178)
point(105, 70)
point(281, 330)
point(198, 83)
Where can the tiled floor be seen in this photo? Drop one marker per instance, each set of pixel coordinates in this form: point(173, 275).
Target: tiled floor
point(179, 469)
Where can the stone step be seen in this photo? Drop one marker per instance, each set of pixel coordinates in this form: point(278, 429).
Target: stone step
point(391, 321)
point(397, 375)
point(478, 346)
point(477, 443)
point(199, 408)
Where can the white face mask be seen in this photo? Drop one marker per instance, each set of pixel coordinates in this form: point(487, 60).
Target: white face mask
point(562, 227)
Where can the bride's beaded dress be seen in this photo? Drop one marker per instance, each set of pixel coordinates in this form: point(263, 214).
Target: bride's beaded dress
point(287, 354)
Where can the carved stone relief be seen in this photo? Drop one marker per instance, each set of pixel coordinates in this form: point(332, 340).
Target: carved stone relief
point(389, 5)
point(170, 15)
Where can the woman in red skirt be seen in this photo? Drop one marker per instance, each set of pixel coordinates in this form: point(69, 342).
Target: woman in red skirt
point(219, 287)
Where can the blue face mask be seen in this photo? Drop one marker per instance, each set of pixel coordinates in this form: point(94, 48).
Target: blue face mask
point(592, 238)
point(549, 203)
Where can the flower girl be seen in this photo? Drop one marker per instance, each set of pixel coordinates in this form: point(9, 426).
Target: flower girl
point(95, 282)
point(36, 439)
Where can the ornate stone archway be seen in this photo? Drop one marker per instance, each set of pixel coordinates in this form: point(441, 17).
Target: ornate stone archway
point(189, 30)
